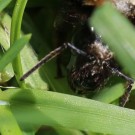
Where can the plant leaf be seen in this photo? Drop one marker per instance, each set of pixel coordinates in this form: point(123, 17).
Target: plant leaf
point(8, 124)
point(118, 33)
point(33, 108)
point(13, 51)
point(3, 4)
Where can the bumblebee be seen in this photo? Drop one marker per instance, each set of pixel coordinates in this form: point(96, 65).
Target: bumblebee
point(94, 62)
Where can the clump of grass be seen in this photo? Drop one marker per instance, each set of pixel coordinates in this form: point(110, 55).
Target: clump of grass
point(25, 108)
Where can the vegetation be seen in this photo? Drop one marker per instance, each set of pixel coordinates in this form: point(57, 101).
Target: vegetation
point(44, 102)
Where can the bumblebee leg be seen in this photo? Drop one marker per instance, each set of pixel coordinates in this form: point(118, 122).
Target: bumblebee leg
point(52, 55)
point(48, 57)
point(78, 51)
point(124, 99)
point(129, 80)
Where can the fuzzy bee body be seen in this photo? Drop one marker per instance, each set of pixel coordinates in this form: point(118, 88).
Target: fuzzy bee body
point(90, 74)
point(86, 74)
point(94, 63)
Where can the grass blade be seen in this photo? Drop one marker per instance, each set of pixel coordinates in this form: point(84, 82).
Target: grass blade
point(118, 33)
point(46, 74)
point(110, 94)
point(8, 124)
point(3, 4)
point(13, 51)
point(15, 34)
point(33, 108)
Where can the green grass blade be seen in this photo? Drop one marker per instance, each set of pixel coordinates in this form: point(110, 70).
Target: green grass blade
point(3, 4)
point(33, 108)
point(13, 51)
point(5, 22)
point(110, 94)
point(46, 74)
point(118, 33)
point(66, 131)
point(15, 34)
point(29, 59)
point(17, 20)
point(28, 133)
point(8, 124)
